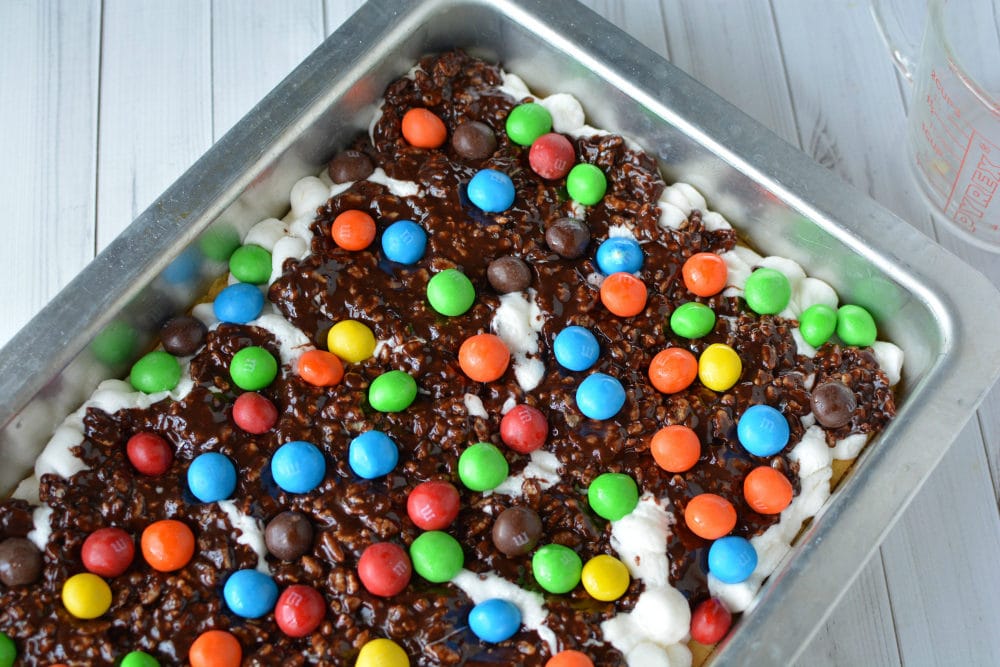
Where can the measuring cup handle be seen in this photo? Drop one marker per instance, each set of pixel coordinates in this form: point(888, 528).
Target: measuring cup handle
point(903, 44)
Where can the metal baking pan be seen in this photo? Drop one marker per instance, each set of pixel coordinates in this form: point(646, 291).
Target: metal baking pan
point(940, 311)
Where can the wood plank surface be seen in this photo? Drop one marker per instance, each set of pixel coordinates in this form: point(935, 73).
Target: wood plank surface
point(254, 46)
point(106, 103)
point(156, 103)
point(49, 59)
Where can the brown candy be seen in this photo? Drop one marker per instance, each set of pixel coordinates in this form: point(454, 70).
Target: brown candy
point(182, 336)
point(20, 562)
point(568, 237)
point(508, 274)
point(474, 140)
point(350, 166)
point(833, 404)
point(289, 535)
point(516, 531)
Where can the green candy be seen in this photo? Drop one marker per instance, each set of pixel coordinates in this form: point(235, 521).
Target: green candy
point(556, 568)
point(114, 344)
point(855, 326)
point(251, 264)
point(436, 556)
point(482, 467)
point(692, 320)
point(450, 292)
point(527, 122)
point(817, 324)
point(392, 392)
point(586, 184)
point(253, 368)
point(139, 659)
point(157, 371)
point(767, 291)
point(613, 495)
point(8, 652)
point(219, 242)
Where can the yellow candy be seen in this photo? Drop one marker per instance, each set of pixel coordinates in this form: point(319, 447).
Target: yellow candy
point(351, 340)
point(719, 367)
point(86, 595)
point(605, 578)
point(382, 653)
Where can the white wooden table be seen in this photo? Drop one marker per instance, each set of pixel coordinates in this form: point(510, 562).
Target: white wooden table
point(103, 104)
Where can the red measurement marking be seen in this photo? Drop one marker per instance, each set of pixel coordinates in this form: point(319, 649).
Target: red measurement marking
point(958, 174)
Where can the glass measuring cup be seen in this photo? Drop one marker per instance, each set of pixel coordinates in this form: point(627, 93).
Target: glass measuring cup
point(953, 127)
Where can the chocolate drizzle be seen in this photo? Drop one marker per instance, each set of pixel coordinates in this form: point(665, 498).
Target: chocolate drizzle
point(163, 613)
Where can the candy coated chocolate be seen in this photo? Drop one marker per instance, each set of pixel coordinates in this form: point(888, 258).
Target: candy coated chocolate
point(289, 535)
point(20, 562)
point(833, 404)
point(350, 166)
point(516, 531)
point(508, 274)
point(473, 140)
point(568, 237)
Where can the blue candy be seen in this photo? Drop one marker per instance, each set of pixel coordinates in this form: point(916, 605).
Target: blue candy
point(762, 430)
point(372, 454)
point(619, 254)
point(491, 190)
point(495, 620)
point(239, 303)
point(600, 396)
point(404, 241)
point(184, 268)
point(298, 466)
point(211, 477)
point(576, 349)
point(250, 593)
point(732, 559)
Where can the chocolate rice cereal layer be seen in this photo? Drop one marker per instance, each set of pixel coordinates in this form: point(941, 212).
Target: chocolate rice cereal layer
point(163, 613)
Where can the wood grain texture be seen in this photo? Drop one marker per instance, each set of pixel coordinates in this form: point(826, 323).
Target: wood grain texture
point(49, 57)
point(642, 20)
point(254, 46)
point(860, 631)
point(941, 563)
point(732, 48)
point(337, 11)
point(156, 103)
point(847, 101)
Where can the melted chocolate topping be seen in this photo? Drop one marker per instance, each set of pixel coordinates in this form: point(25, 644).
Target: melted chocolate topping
point(163, 613)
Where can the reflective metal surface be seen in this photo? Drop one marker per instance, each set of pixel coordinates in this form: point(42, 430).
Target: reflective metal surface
point(940, 311)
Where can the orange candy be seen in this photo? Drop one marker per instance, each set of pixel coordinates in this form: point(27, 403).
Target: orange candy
point(569, 658)
point(705, 274)
point(767, 491)
point(421, 128)
point(353, 230)
point(167, 545)
point(483, 357)
point(623, 294)
point(321, 368)
point(675, 448)
point(673, 370)
point(215, 648)
point(710, 516)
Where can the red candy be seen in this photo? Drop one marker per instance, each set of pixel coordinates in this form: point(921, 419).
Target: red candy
point(149, 453)
point(384, 569)
point(710, 621)
point(108, 552)
point(433, 505)
point(551, 156)
point(254, 414)
point(299, 610)
point(524, 429)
